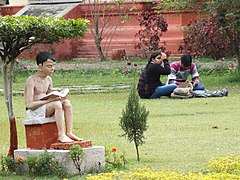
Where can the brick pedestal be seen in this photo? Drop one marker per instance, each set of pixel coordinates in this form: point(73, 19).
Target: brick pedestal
point(67, 146)
point(40, 133)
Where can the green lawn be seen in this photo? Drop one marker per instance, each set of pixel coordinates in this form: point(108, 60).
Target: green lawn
point(180, 136)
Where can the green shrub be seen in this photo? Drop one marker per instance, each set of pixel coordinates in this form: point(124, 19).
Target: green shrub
point(8, 164)
point(114, 160)
point(77, 155)
point(45, 164)
point(134, 120)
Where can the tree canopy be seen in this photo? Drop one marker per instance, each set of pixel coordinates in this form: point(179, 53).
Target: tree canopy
point(18, 33)
point(225, 12)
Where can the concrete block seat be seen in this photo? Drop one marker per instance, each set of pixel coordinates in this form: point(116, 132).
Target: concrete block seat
point(94, 159)
point(40, 132)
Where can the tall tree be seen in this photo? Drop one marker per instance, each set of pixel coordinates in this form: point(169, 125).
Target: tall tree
point(18, 33)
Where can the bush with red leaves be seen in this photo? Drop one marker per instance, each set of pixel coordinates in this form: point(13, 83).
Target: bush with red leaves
point(152, 26)
point(206, 38)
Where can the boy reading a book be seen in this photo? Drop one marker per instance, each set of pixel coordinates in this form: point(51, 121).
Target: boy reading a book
point(37, 87)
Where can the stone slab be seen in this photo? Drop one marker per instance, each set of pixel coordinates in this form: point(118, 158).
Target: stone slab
point(93, 161)
point(53, 10)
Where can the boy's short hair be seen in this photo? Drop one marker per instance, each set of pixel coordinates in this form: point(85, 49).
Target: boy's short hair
point(186, 60)
point(44, 56)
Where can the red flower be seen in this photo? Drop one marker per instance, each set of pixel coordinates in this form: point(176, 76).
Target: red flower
point(231, 65)
point(20, 159)
point(129, 63)
point(24, 67)
point(114, 149)
point(214, 15)
point(135, 65)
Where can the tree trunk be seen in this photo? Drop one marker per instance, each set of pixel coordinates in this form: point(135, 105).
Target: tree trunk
point(238, 50)
point(138, 158)
point(98, 36)
point(100, 52)
point(7, 84)
point(13, 137)
point(136, 145)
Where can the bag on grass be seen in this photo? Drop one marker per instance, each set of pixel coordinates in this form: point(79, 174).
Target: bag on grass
point(183, 90)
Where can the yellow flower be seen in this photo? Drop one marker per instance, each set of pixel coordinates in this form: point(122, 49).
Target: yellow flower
point(20, 159)
point(114, 149)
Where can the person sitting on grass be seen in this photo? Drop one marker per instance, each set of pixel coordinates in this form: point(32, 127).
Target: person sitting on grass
point(180, 71)
point(149, 85)
point(40, 84)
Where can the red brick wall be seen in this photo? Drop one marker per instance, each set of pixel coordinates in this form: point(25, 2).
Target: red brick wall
point(124, 38)
point(9, 10)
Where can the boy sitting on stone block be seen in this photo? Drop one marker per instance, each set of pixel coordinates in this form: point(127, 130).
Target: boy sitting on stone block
point(38, 86)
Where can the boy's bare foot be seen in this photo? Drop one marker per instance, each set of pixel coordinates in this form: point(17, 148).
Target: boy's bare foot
point(64, 139)
point(74, 137)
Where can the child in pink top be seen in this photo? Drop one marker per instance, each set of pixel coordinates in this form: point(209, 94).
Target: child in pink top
point(181, 70)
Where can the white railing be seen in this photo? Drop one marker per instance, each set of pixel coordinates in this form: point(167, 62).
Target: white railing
point(52, 1)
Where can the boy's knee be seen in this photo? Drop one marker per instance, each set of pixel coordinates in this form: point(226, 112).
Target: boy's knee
point(57, 105)
point(67, 104)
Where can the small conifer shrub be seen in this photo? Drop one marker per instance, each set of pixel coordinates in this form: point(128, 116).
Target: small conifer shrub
point(134, 120)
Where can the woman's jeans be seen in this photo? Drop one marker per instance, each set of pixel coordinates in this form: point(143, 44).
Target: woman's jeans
point(165, 90)
point(199, 87)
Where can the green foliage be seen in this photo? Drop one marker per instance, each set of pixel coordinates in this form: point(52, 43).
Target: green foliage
point(42, 165)
point(45, 164)
point(8, 164)
point(77, 155)
point(20, 32)
point(226, 14)
point(114, 160)
point(134, 120)
point(181, 4)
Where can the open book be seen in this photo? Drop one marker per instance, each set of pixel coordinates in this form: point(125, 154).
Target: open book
point(54, 94)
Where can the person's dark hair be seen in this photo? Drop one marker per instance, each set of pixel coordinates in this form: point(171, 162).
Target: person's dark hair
point(186, 60)
point(153, 56)
point(44, 56)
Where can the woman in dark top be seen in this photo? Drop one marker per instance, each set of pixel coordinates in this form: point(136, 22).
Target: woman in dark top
point(149, 84)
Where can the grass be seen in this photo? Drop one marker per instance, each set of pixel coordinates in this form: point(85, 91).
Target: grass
point(181, 136)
